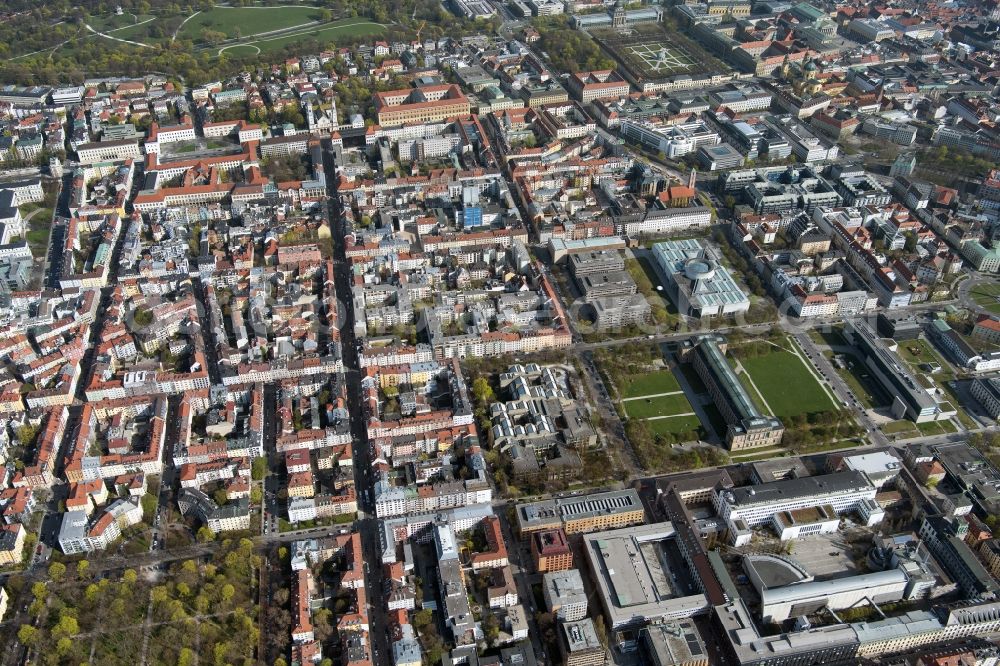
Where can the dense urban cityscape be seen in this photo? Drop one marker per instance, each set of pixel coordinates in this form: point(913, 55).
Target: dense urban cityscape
point(500, 333)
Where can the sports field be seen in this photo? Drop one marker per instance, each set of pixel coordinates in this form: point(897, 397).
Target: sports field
point(787, 385)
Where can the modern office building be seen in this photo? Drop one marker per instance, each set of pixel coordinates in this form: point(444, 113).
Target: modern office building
point(696, 281)
point(987, 391)
point(747, 427)
point(635, 585)
point(787, 590)
point(674, 643)
point(943, 537)
point(909, 398)
point(565, 595)
point(580, 644)
point(961, 351)
point(751, 506)
point(881, 468)
point(741, 98)
point(581, 514)
point(672, 140)
point(722, 156)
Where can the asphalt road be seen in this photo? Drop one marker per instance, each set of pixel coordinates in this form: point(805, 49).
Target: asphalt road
point(364, 481)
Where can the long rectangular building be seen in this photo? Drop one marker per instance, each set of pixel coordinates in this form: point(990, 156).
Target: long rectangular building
point(751, 506)
point(633, 585)
point(581, 514)
point(747, 427)
point(909, 399)
point(420, 105)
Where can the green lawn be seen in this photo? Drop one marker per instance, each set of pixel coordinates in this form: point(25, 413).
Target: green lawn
point(646, 264)
point(962, 416)
point(752, 392)
point(936, 428)
point(906, 429)
point(753, 456)
point(138, 32)
point(329, 32)
point(38, 233)
point(920, 351)
point(826, 446)
point(664, 405)
point(248, 21)
point(242, 50)
point(115, 23)
point(986, 296)
point(675, 425)
point(662, 381)
point(787, 385)
point(900, 427)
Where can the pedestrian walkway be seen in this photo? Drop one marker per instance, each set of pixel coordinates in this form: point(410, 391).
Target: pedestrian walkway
point(668, 416)
point(653, 395)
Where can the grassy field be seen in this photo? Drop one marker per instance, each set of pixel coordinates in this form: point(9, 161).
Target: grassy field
point(920, 351)
point(787, 385)
point(754, 456)
point(954, 398)
point(664, 405)
point(38, 233)
point(752, 392)
point(648, 384)
point(248, 21)
point(986, 295)
point(936, 428)
point(901, 427)
point(674, 425)
point(330, 31)
point(242, 50)
point(136, 33)
point(117, 25)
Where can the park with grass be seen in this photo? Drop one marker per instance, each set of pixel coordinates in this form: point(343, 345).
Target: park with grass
point(235, 31)
point(657, 398)
point(255, 30)
point(658, 381)
point(236, 22)
point(647, 390)
point(987, 295)
point(657, 406)
point(330, 31)
point(785, 384)
point(781, 381)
